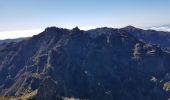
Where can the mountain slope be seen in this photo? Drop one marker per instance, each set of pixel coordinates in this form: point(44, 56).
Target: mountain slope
point(99, 64)
point(150, 36)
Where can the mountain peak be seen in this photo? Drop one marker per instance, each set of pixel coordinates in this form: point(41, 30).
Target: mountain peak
point(130, 27)
point(49, 29)
point(76, 29)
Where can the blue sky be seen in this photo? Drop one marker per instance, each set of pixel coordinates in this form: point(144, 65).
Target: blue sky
point(38, 14)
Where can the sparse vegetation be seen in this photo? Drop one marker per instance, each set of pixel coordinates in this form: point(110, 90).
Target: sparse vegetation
point(28, 96)
point(167, 86)
point(72, 98)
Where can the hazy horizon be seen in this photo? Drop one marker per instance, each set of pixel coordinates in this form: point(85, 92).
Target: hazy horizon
point(24, 18)
point(29, 33)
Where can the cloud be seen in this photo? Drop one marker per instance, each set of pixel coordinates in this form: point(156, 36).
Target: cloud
point(161, 28)
point(27, 33)
point(19, 34)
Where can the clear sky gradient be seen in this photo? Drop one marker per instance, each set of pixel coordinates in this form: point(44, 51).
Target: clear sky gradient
point(38, 14)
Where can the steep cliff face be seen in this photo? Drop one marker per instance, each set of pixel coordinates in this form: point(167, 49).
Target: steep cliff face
point(99, 64)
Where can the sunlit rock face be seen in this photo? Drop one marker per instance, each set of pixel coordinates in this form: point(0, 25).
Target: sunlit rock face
point(99, 64)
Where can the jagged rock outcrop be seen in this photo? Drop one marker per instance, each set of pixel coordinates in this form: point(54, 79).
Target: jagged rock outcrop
point(99, 64)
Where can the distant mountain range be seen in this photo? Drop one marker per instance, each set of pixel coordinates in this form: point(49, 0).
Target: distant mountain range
point(160, 38)
point(6, 41)
point(98, 64)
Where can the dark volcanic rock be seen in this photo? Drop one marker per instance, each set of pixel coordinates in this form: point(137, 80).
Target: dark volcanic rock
point(99, 64)
point(48, 90)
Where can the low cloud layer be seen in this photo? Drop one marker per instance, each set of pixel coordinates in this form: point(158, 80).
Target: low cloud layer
point(161, 28)
point(29, 33)
point(26, 33)
point(19, 34)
